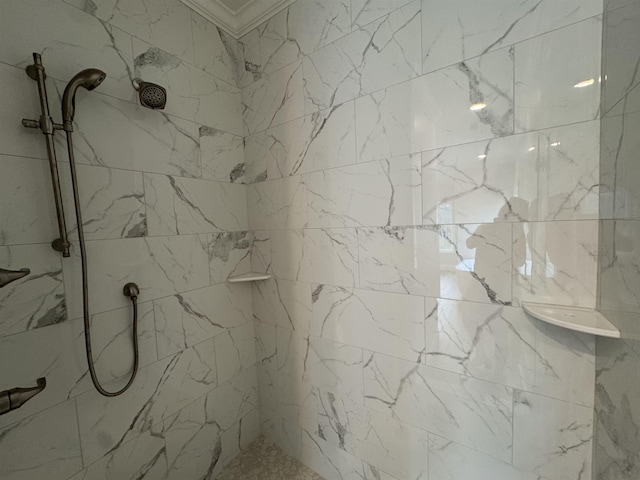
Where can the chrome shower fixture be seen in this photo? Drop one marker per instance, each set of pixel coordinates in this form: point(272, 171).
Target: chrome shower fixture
point(151, 95)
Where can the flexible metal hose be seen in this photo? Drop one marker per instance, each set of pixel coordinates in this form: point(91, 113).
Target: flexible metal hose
point(85, 290)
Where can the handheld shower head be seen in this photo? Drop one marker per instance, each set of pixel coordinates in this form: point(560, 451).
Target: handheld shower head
point(89, 79)
point(151, 95)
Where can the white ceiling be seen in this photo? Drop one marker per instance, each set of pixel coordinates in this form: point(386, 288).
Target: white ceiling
point(237, 17)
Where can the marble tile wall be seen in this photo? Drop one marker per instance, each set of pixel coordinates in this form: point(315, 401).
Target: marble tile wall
point(404, 228)
point(617, 362)
point(164, 206)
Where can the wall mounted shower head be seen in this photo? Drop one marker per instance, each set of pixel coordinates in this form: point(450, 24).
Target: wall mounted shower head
point(151, 95)
point(89, 79)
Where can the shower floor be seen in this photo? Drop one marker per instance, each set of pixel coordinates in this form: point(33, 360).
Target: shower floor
point(263, 460)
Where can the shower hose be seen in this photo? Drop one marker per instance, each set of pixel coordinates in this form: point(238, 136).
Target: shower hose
point(85, 290)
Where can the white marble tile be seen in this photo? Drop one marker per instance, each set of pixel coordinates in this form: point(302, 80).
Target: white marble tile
point(274, 99)
point(283, 303)
point(330, 256)
point(186, 319)
point(249, 65)
point(178, 206)
point(255, 158)
point(545, 175)
point(394, 324)
point(229, 254)
point(28, 215)
point(235, 351)
point(215, 51)
point(265, 343)
point(194, 443)
point(166, 23)
point(232, 401)
point(364, 12)
point(161, 266)
point(319, 141)
point(69, 41)
point(559, 265)
point(451, 461)
point(379, 193)
point(504, 346)
point(465, 262)
point(112, 202)
point(277, 204)
point(53, 446)
point(377, 56)
point(473, 413)
point(260, 251)
point(292, 351)
point(287, 253)
point(547, 69)
point(142, 457)
point(192, 94)
point(117, 134)
point(434, 110)
point(328, 460)
point(36, 300)
point(278, 46)
point(552, 438)
point(454, 31)
point(161, 390)
point(335, 367)
point(222, 156)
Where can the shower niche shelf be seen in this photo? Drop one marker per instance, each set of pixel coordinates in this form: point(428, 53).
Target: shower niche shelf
point(586, 320)
point(249, 277)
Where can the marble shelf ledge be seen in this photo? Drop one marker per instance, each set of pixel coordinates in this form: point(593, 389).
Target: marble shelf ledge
point(584, 320)
point(249, 277)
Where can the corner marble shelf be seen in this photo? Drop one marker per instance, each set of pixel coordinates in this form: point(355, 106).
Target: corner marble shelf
point(584, 320)
point(249, 277)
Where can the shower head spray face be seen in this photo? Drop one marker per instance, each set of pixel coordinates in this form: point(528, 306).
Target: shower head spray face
point(151, 95)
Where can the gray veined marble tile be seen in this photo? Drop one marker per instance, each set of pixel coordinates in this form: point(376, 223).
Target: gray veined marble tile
point(328, 460)
point(394, 323)
point(292, 351)
point(379, 193)
point(229, 254)
point(142, 457)
point(301, 29)
point(464, 262)
point(273, 100)
point(54, 446)
point(222, 156)
point(556, 262)
point(287, 253)
point(163, 388)
point(454, 31)
point(235, 351)
point(112, 203)
point(319, 141)
point(192, 94)
point(452, 461)
point(277, 204)
point(474, 413)
point(329, 256)
point(186, 319)
point(161, 266)
point(177, 206)
point(261, 252)
point(69, 41)
point(283, 303)
point(265, 336)
point(502, 345)
point(373, 57)
point(117, 134)
point(249, 65)
point(215, 51)
point(255, 158)
point(364, 12)
point(546, 175)
point(194, 443)
point(166, 23)
point(548, 72)
point(233, 400)
point(36, 300)
point(434, 110)
point(28, 215)
point(552, 438)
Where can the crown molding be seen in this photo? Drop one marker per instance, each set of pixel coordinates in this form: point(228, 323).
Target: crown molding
point(240, 22)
